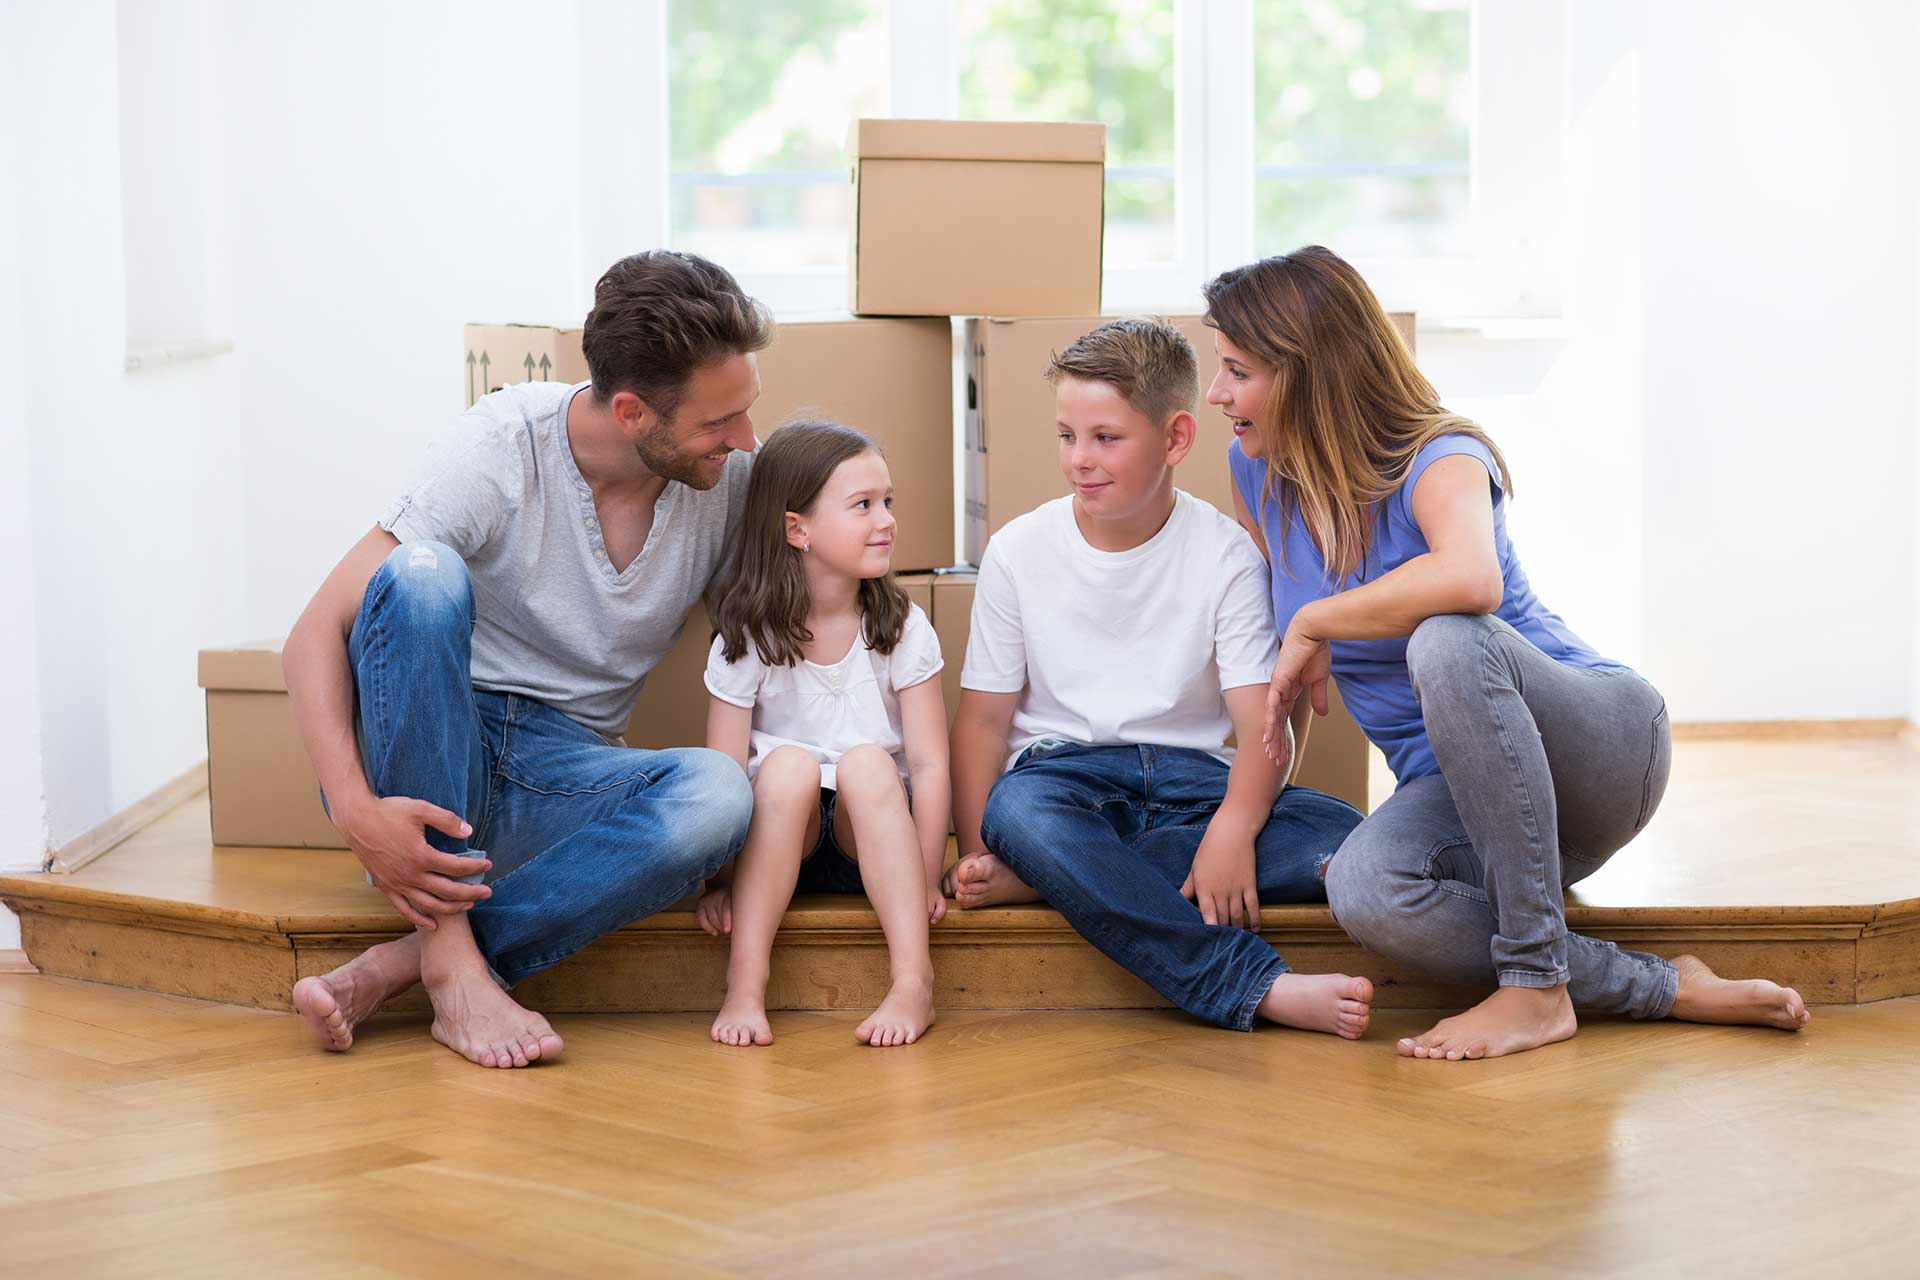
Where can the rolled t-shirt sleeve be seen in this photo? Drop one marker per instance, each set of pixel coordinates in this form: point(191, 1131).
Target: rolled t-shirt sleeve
point(1446, 447)
point(462, 492)
point(996, 659)
point(917, 657)
point(1244, 643)
point(735, 683)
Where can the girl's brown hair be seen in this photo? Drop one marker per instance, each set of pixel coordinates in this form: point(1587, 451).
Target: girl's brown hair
point(764, 600)
point(1349, 409)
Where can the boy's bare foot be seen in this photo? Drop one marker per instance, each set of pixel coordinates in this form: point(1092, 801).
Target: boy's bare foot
point(742, 1020)
point(1511, 1020)
point(982, 880)
point(334, 1004)
point(1330, 1002)
point(477, 1020)
point(902, 1017)
point(1704, 996)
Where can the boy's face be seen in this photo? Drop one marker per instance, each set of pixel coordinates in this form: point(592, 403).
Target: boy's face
point(850, 527)
point(1241, 389)
point(1114, 456)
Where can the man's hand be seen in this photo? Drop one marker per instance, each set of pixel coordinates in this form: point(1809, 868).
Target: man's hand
point(1222, 883)
point(714, 911)
point(388, 835)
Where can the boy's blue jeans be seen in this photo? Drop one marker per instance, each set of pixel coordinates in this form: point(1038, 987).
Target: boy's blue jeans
point(1107, 835)
point(584, 836)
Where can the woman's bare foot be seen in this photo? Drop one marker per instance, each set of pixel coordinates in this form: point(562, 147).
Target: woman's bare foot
point(334, 1004)
point(1704, 996)
point(477, 1020)
point(1511, 1020)
point(902, 1017)
point(743, 1019)
point(982, 880)
point(1330, 1002)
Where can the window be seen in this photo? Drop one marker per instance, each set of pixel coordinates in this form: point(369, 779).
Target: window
point(1419, 138)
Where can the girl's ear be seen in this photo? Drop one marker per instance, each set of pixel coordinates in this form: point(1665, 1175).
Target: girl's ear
point(797, 535)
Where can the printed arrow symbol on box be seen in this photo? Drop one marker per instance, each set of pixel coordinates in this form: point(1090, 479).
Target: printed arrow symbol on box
point(470, 396)
point(529, 366)
point(546, 367)
point(485, 376)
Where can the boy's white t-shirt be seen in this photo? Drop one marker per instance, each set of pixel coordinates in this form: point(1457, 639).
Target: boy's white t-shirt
point(1121, 648)
point(827, 711)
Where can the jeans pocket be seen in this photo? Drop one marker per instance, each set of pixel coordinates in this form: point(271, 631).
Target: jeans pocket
point(1659, 767)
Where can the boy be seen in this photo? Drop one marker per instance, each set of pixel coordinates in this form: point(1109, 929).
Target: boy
point(1118, 635)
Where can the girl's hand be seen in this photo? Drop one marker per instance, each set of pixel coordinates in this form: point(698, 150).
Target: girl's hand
point(936, 905)
point(1305, 665)
point(714, 911)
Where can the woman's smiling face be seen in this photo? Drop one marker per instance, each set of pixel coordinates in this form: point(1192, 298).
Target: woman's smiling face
point(1241, 389)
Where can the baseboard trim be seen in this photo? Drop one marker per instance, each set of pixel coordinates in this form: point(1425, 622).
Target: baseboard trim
point(1709, 730)
point(136, 817)
point(15, 961)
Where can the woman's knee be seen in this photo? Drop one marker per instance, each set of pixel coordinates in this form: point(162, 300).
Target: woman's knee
point(1446, 647)
point(427, 587)
point(1362, 888)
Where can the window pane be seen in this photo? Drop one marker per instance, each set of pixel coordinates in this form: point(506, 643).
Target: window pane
point(760, 99)
point(1106, 60)
point(1362, 125)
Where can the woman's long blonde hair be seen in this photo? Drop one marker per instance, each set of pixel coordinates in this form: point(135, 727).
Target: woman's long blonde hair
point(1349, 409)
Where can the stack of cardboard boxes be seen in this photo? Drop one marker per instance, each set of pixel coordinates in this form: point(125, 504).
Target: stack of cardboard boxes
point(999, 223)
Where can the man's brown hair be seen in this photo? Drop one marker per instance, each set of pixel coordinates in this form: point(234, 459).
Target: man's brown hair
point(658, 316)
point(1150, 364)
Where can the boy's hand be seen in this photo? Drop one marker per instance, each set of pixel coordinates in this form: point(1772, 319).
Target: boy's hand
point(1222, 883)
point(714, 911)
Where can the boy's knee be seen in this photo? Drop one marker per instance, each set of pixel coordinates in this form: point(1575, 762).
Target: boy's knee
point(428, 585)
point(1013, 824)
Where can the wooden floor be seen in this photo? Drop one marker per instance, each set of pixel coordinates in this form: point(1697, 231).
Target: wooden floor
point(153, 1135)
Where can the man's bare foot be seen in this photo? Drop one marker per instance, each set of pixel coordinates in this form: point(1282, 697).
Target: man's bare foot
point(902, 1017)
point(1330, 1002)
point(1704, 996)
point(477, 1020)
point(334, 1004)
point(982, 880)
point(1511, 1020)
point(743, 1019)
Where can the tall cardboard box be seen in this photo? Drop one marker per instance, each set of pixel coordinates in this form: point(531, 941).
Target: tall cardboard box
point(501, 354)
point(1012, 458)
point(954, 217)
point(672, 707)
point(262, 787)
point(952, 620)
point(892, 379)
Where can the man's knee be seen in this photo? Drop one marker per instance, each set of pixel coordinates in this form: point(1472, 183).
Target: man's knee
point(427, 587)
point(715, 804)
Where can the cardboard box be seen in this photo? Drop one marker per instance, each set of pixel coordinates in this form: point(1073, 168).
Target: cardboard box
point(1012, 457)
point(952, 620)
point(262, 787)
point(955, 217)
point(892, 379)
point(501, 354)
point(672, 708)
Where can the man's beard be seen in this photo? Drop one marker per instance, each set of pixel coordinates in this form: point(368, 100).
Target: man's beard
point(656, 451)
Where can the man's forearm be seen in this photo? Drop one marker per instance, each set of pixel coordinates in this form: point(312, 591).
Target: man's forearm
point(320, 689)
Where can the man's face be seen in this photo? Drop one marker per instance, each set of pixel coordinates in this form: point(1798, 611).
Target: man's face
point(711, 422)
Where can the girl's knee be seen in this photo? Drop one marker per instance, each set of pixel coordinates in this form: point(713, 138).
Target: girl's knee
point(788, 773)
point(868, 774)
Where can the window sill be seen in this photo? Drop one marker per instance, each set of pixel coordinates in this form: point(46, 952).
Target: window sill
point(143, 358)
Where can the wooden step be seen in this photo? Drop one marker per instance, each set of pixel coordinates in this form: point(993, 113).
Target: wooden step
point(1822, 893)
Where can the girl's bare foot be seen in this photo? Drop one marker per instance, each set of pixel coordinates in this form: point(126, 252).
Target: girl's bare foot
point(742, 1020)
point(1330, 1002)
point(477, 1020)
point(1704, 996)
point(902, 1017)
point(982, 880)
point(1511, 1020)
point(334, 1004)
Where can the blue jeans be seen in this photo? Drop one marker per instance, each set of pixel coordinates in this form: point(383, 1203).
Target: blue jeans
point(584, 836)
point(1107, 835)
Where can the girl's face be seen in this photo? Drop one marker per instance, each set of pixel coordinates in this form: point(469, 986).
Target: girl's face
point(1242, 388)
point(850, 527)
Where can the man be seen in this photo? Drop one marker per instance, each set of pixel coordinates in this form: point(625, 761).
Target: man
point(462, 678)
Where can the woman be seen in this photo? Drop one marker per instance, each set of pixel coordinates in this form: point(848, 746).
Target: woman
point(1525, 759)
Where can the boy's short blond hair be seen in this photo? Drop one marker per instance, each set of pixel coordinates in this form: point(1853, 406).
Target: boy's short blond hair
point(1151, 365)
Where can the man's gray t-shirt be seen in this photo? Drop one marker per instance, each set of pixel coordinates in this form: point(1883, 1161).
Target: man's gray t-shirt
point(555, 621)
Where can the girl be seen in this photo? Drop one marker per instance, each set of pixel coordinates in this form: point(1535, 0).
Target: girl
point(822, 686)
point(1525, 759)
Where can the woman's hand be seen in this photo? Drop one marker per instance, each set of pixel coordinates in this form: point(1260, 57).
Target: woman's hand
point(1305, 665)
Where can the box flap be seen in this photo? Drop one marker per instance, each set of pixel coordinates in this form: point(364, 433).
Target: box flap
point(870, 139)
point(251, 667)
